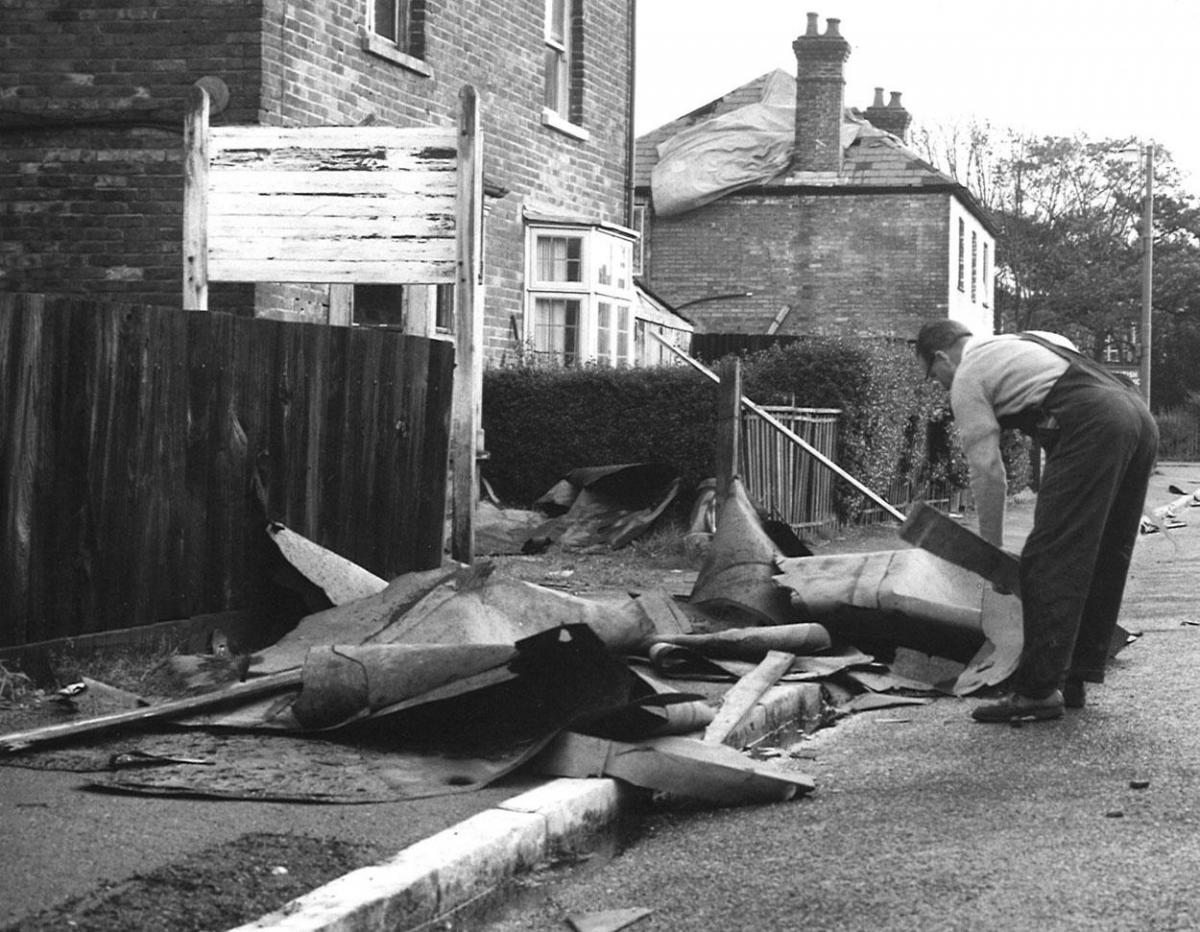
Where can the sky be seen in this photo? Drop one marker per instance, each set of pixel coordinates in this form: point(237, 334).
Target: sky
point(1101, 68)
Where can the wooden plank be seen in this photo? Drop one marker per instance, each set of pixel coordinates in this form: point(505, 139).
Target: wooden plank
point(468, 315)
point(437, 142)
point(383, 272)
point(21, 388)
point(384, 209)
point(16, 741)
point(739, 702)
point(941, 535)
point(195, 201)
point(431, 455)
point(355, 251)
point(341, 305)
point(298, 225)
point(423, 186)
point(375, 160)
point(728, 425)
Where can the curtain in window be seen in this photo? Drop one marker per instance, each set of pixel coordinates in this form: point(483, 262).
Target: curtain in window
point(556, 328)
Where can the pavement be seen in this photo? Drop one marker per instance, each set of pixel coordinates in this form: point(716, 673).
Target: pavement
point(454, 854)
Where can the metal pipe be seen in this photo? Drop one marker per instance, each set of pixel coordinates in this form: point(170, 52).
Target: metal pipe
point(1147, 275)
point(800, 441)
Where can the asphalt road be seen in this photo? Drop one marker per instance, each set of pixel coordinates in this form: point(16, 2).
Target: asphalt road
point(921, 818)
point(924, 819)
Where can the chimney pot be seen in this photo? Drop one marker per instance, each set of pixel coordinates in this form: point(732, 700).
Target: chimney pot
point(820, 83)
point(893, 118)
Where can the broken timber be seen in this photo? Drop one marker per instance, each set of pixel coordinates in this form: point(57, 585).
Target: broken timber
point(936, 533)
point(741, 698)
point(239, 692)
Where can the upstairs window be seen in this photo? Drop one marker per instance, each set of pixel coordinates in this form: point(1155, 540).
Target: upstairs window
point(962, 254)
point(974, 266)
point(985, 280)
point(396, 31)
point(563, 98)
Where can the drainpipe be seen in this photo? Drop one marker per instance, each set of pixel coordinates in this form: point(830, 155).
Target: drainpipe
point(632, 137)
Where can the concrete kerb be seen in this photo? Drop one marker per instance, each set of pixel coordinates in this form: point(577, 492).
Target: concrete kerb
point(474, 859)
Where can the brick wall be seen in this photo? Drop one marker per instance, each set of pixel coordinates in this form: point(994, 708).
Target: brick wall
point(86, 210)
point(91, 124)
point(848, 264)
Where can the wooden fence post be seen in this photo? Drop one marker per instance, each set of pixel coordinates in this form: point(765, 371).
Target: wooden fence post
point(195, 201)
point(468, 333)
point(729, 414)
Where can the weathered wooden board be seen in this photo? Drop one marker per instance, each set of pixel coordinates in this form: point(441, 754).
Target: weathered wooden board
point(331, 204)
point(133, 443)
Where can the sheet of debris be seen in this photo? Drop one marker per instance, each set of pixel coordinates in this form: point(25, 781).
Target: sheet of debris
point(444, 680)
point(477, 672)
point(592, 509)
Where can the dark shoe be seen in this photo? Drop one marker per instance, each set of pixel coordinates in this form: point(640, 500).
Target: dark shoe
point(1016, 708)
point(1074, 694)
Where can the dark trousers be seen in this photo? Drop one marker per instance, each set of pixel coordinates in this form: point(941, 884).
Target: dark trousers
point(1085, 524)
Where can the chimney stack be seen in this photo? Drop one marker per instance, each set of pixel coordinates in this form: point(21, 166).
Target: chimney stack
point(893, 118)
point(820, 87)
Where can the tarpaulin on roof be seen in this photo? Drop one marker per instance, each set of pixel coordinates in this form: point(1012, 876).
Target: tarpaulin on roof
point(743, 147)
point(746, 146)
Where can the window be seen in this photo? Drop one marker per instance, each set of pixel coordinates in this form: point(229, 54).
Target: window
point(424, 310)
point(379, 305)
point(639, 248)
point(556, 329)
point(443, 320)
point(974, 265)
point(985, 279)
point(962, 253)
point(395, 30)
point(560, 259)
point(563, 98)
point(580, 294)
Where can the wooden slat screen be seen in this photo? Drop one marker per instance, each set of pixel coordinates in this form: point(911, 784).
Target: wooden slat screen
point(133, 442)
point(332, 204)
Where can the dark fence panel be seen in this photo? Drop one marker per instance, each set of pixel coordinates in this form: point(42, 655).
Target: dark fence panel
point(710, 347)
point(143, 452)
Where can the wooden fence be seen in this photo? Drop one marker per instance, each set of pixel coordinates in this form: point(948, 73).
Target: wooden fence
point(783, 477)
point(143, 452)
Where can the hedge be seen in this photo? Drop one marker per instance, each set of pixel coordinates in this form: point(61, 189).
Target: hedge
point(894, 430)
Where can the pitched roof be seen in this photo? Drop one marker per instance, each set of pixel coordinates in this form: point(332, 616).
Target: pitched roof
point(645, 153)
point(872, 159)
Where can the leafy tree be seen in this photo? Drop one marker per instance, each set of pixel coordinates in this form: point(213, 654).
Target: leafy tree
point(1069, 214)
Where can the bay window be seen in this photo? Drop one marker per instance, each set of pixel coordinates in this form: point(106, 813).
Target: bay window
point(580, 294)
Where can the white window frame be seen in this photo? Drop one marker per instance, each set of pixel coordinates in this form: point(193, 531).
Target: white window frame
point(639, 247)
point(962, 254)
point(560, 90)
point(398, 48)
point(986, 280)
point(974, 266)
point(600, 248)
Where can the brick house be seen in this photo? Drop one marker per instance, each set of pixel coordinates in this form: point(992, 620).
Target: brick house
point(92, 98)
point(773, 209)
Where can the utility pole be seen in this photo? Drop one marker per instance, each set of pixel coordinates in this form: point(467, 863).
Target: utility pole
point(1147, 275)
